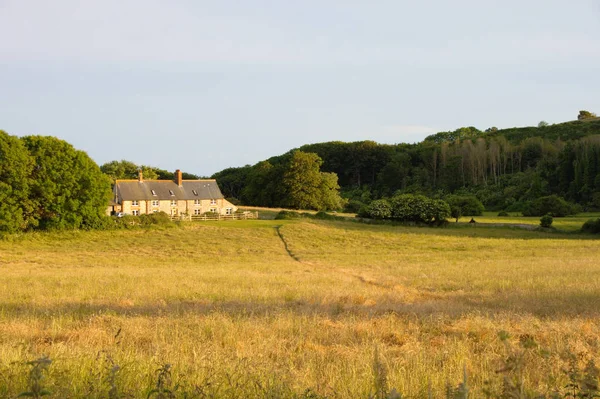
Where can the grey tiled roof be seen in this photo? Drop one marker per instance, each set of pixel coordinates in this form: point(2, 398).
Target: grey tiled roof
point(129, 190)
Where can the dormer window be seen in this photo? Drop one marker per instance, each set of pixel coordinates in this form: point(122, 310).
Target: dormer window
point(153, 192)
point(172, 193)
point(195, 192)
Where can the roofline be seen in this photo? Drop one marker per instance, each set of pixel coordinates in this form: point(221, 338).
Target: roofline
point(163, 181)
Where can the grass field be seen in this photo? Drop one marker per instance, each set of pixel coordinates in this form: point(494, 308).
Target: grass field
point(273, 308)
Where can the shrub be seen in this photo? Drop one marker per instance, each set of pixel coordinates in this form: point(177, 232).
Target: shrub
point(591, 226)
point(363, 212)
point(157, 218)
point(284, 215)
point(551, 204)
point(353, 206)
point(546, 220)
point(379, 209)
point(464, 205)
point(503, 213)
point(418, 208)
point(323, 216)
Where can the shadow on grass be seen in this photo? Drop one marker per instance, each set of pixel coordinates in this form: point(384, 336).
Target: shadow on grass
point(547, 306)
point(483, 230)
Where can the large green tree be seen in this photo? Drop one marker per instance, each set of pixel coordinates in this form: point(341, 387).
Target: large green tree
point(15, 168)
point(68, 190)
point(306, 187)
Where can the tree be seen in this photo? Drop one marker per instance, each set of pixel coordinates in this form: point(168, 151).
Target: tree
point(464, 205)
point(15, 168)
point(330, 196)
point(542, 124)
point(68, 189)
point(233, 180)
point(583, 115)
point(304, 186)
point(120, 170)
point(302, 181)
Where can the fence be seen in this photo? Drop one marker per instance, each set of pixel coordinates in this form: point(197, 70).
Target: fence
point(215, 216)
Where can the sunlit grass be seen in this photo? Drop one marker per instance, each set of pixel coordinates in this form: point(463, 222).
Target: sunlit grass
point(568, 223)
point(224, 302)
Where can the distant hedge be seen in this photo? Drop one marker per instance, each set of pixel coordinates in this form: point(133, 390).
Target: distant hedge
point(551, 204)
point(409, 208)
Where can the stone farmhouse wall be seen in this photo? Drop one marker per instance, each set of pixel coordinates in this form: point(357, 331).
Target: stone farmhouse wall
point(178, 207)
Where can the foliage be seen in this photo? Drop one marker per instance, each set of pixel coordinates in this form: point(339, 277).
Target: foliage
point(294, 181)
point(379, 209)
point(286, 215)
point(37, 375)
point(546, 221)
point(552, 204)
point(232, 180)
point(464, 205)
point(503, 214)
point(503, 168)
point(15, 170)
point(419, 209)
point(353, 206)
point(591, 226)
point(124, 170)
point(583, 115)
point(306, 187)
point(68, 190)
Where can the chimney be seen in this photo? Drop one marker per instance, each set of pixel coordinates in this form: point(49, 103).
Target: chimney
point(178, 178)
point(140, 177)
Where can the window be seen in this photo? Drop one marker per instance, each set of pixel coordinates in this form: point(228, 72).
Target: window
point(135, 212)
point(134, 203)
point(213, 202)
point(154, 202)
point(228, 211)
point(153, 192)
point(213, 210)
point(195, 192)
point(171, 192)
point(197, 212)
point(173, 202)
point(196, 202)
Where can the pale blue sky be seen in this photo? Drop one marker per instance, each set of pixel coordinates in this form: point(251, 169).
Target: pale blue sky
point(204, 85)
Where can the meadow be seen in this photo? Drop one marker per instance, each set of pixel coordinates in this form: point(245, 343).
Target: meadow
point(300, 308)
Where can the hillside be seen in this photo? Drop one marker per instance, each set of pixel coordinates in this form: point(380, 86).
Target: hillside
point(504, 168)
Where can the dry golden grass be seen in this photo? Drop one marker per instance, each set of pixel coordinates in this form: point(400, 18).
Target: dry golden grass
point(234, 313)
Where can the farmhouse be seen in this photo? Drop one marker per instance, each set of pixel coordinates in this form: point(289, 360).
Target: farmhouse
point(177, 197)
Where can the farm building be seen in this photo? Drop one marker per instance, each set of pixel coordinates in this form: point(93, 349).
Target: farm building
point(175, 197)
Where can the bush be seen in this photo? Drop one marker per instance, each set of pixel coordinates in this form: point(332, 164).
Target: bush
point(157, 218)
point(551, 204)
point(464, 205)
point(419, 209)
point(503, 213)
point(353, 206)
point(591, 226)
point(379, 209)
point(546, 221)
point(285, 215)
point(322, 215)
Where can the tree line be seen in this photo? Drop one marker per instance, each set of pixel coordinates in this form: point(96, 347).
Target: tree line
point(504, 168)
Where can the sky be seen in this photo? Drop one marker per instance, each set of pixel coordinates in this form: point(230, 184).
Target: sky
point(205, 85)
